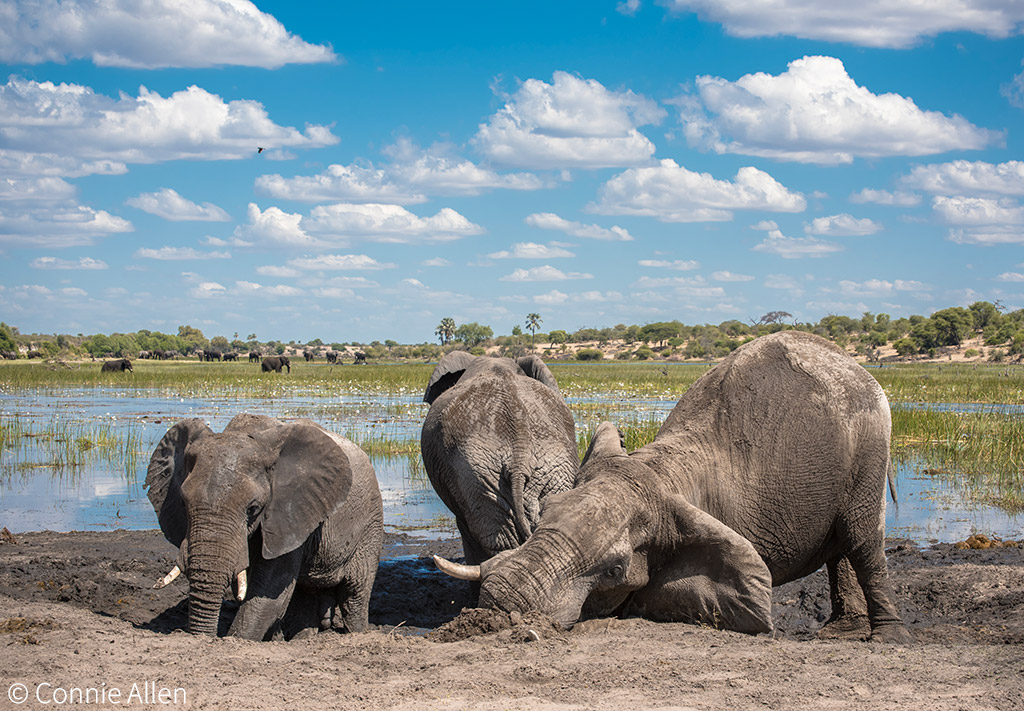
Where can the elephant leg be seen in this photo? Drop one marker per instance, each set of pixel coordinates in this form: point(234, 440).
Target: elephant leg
point(868, 562)
point(270, 591)
point(849, 619)
point(306, 611)
point(352, 594)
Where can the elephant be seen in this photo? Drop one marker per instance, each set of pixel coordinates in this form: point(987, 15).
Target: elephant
point(287, 516)
point(254, 357)
point(360, 358)
point(200, 355)
point(210, 356)
point(9, 355)
point(230, 357)
point(332, 356)
point(308, 355)
point(498, 439)
point(772, 463)
point(145, 355)
point(114, 366)
point(275, 363)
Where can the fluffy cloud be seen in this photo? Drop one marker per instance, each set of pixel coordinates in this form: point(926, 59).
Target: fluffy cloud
point(159, 33)
point(671, 193)
point(961, 177)
point(545, 273)
point(815, 113)
point(58, 226)
point(885, 197)
point(67, 129)
point(552, 297)
point(178, 254)
point(984, 221)
point(795, 247)
point(551, 221)
point(15, 189)
point(436, 262)
point(570, 123)
point(878, 288)
point(532, 250)
point(874, 23)
point(339, 262)
point(81, 264)
point(274, 227)
point(678, 264)
point(843, 225)
point(1011, 277)
point(168, 204)
point(248, 288)
point(387, 223)
point(730, 276)
point(408, 179)
point(207, 289)
point(691, 287)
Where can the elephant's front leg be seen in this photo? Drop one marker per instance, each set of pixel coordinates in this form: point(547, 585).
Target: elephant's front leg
point(270, 590)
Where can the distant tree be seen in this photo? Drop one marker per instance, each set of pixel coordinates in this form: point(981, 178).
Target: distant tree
point(220, 344)
point(952, 326)
point(445, 330)
point(7, 342)
point(558, 337)
point(516, 331)
point(473, 333)
point(772, 317)
point(533, 322)
point(984, 314)
point(192, 338)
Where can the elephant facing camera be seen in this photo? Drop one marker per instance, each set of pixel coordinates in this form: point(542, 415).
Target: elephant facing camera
point(286, 518)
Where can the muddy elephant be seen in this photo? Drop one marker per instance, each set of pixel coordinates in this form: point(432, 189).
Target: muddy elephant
point(308, 355)
point(360, 358)
point(286, 516)
point(117, 366)
point(772, 464)
point(275, 363)
point(332, 356)
point(498, 439)
point(254, 357)
point(228, 357)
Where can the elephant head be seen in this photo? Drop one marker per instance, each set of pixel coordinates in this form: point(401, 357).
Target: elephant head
point(618, 537)
point(257, 490)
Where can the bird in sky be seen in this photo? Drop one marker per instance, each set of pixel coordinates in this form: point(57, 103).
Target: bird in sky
point(259, 149)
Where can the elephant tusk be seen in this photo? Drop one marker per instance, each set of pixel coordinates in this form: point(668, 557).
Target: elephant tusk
point(167, 579)
point(242, 585)
point(457, 570)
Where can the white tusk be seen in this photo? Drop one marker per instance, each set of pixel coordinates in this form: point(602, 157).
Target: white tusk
point(457, 570)
point(242, 585)
point(167, 579)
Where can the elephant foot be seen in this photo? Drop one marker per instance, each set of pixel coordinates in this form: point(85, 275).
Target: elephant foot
point(894, 633)
point(846, 627)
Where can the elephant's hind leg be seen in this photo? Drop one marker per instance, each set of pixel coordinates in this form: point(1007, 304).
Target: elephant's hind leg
point(353, 592)
point(849, 619)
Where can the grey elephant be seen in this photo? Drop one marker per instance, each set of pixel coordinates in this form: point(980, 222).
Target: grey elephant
point(117, 366)
point(498, 439)
point(275, 363)
point(286, 516)
point(332, 356)
point(772, 464)
point(254, 357)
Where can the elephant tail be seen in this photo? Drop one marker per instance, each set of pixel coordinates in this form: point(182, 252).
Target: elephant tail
point(517, 486)
point(892, 483)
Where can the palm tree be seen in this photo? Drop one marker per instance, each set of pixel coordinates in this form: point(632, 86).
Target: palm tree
point(445, 330)
point(533, 322)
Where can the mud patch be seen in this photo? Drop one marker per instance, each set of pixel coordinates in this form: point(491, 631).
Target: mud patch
point(531, 627)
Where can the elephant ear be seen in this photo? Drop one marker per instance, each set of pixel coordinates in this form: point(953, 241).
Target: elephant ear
point(715, 576)
point(535, 368)
point(448, 371)
point(310, 478)
point(166, 473)
point(606, 442)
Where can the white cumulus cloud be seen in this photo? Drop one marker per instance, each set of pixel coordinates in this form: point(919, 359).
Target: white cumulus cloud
point(815, 113)
point(339, 262)
point(544, 273)
point(671, 193)
point(795, 247)
point(898, 198)
point(982, 221)
point(168, 204)
point(730, 276)
point(80, 264)
point(178, 254)
point(67, 225)
point(962, 177)
point(843, 225)
point(387, 223)
point(149, 35)
point(874, 23)
point(569, 123)
point(532, 250)
point(551, 221)
point(678, 264)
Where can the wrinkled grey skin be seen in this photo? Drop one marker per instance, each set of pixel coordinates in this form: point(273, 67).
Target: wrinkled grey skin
point(275, 363)
point(497, 440)
point(295, 505)
point(772, 464)
point(117, 366)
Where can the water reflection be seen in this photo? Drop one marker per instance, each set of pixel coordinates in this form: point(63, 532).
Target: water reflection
point(107, 492)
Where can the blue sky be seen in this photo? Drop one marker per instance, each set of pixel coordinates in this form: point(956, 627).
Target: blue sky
point(595, 162)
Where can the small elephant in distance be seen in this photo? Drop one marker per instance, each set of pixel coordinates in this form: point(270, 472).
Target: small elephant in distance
point(275, 363)
point(254, 357)
point(117, 366)
point(308, 355)
point(286, 516)
point(332, 356)
point(360, 358)
point(230, 357)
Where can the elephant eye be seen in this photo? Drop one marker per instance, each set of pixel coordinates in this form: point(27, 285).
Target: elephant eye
point(253, 511)
point(613, 572)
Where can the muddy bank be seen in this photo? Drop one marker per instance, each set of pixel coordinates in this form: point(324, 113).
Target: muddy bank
point(77, 608)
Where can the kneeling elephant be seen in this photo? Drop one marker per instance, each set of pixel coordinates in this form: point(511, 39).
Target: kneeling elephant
point(288, 516)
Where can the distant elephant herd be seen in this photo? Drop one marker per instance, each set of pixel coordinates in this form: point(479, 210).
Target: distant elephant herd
point(268, 364)
point(771, 465)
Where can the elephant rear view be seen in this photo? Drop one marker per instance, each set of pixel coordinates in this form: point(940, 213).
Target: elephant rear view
point(497, 440)
point(288, 517)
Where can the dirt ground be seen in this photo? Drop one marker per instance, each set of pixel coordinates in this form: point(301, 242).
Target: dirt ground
point(77, 613)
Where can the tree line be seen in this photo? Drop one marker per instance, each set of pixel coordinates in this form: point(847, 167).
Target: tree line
point(1002, 331)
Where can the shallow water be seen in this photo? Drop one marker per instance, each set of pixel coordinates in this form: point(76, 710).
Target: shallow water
point(108, 492)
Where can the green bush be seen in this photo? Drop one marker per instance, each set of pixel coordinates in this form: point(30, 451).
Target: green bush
point(589, 354)
point(477, 351)
point(644, 353)
point(971, 353)
point(905, 346)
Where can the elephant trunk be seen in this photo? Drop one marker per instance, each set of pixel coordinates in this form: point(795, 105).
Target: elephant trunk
point(530, 579)
point(213, 562)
